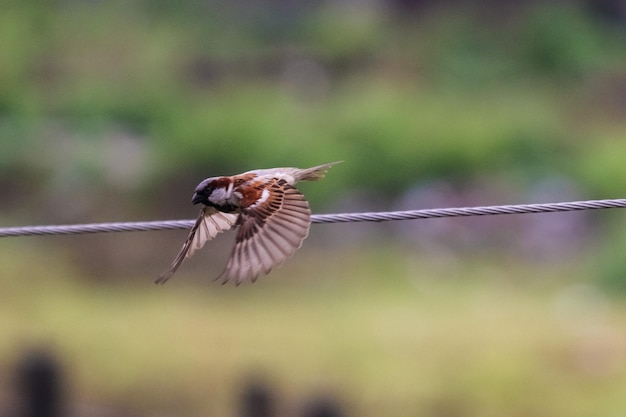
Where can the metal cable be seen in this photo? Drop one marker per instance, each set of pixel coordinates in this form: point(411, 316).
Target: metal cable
point(325, 218)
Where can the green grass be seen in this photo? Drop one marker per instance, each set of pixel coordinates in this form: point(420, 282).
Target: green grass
point(478, 338)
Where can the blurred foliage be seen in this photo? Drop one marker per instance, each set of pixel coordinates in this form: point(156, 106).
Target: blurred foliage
point(140, 100)
point(610, 266)
point(218, 88)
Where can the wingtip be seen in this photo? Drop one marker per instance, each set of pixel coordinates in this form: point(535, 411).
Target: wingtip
point(162, 279)
point(315, 173)
point(222, 276)
point(331, 164)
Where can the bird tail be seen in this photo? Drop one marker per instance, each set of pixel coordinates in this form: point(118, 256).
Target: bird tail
point(314, 173)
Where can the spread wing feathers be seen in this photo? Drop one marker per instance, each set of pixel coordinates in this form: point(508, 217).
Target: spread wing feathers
point(210, 222)
point(269, 233)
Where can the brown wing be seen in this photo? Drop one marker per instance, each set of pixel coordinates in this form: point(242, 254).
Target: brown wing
point(271, 229)
point(210, 222)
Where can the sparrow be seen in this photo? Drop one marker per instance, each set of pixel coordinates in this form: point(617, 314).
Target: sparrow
point(271, 217)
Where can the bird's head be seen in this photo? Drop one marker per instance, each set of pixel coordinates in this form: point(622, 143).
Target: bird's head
point(211, 191)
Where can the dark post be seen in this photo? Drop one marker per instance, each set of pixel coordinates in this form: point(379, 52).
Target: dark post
point(322, 407)
point(39, 385)
point(257, 400)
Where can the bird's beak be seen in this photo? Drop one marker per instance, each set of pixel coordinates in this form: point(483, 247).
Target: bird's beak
point(197, 198)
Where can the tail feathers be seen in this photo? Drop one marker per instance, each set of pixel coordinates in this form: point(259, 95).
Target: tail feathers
point(315, 173)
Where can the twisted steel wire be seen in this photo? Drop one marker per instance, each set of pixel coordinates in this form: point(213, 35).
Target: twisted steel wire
point(325, 218)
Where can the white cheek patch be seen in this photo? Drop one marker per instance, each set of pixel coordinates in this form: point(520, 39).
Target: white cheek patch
point(219, 196)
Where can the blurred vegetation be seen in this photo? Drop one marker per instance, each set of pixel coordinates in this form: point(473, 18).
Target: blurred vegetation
point(140, 100)
point(401, 335)
point(217, 88)
point(114, 110)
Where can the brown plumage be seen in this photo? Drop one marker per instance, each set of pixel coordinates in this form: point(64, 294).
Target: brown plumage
point(271, 216)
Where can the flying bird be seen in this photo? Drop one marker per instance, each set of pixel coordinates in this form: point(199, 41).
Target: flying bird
point(271, 216)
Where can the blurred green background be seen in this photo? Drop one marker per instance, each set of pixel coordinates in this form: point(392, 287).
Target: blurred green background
point(115, 110)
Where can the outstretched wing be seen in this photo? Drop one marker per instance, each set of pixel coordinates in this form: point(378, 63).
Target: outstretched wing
point(272, 226)
point(210, 222)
